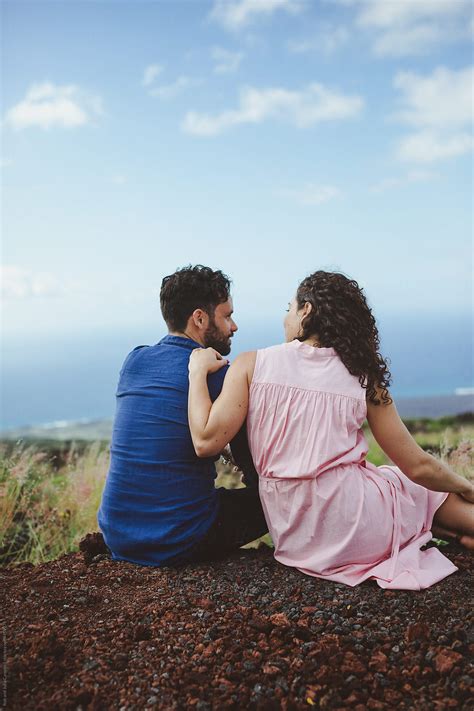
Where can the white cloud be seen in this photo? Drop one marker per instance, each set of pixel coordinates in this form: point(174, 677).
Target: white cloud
point(408, 40)
point(150, 73)
point(439, 106)
point(5, 163)
point(235, 14)
point(407, 27)
point(170, 91)
point(328, 41)
point(442, 99)
point(48, 105)
point(414, 176)
point(428, 146)
point(119, 179)
point(388, 14)
point(19, 283)
point(226, 62)
point(304, 108)
point(312, 194)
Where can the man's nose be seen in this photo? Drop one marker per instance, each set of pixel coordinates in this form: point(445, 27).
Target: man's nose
point(234, 327)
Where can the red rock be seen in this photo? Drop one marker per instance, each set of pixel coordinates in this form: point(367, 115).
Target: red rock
point(352, 698)
point(414, 672)
point(279, 619)
point(378, 662)
point(446, 660)
point(418, 630)
point(392, 697)
point(443, 704)
point(375, 704)
point(271, 670)
point(205, 603)
point(352, 664)
point(187, 667)
point(261, 623)
point(322, 673)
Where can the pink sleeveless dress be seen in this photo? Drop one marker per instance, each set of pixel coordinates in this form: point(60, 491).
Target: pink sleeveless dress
point(332, 514)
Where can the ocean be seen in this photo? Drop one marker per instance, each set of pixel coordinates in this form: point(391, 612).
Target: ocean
point(74, 378)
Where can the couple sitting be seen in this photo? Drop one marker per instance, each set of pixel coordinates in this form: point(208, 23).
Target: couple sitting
point(302, 404)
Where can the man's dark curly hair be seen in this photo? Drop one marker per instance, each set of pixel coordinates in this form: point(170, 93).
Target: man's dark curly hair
point(192, 288)
point(341, 319)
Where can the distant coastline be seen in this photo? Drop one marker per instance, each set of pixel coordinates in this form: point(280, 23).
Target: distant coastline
point(437, 406)
point(430, 407)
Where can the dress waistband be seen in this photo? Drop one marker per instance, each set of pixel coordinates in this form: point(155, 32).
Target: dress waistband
point(310, 477)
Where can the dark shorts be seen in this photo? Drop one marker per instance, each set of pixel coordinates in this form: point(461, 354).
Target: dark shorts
point(240, 520)
point(240, 517)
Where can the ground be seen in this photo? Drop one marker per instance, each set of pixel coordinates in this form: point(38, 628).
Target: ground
point(85, 632)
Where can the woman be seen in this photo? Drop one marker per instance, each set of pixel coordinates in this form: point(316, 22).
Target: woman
point(331, 513)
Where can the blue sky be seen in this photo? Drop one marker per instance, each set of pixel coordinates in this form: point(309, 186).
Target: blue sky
point(267, 138)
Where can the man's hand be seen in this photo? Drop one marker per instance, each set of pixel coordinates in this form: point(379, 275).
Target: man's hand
point(228, 458)
point(206, 360)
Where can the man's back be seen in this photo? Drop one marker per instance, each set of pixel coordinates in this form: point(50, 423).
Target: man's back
point(159, 496)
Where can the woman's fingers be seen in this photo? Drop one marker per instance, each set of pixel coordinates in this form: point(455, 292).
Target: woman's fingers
point(206, 360)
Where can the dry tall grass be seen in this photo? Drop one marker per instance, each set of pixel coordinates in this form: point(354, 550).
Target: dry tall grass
point(45, 510)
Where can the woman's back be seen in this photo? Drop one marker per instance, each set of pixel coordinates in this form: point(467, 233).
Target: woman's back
point(305, 412)
point(331, 513)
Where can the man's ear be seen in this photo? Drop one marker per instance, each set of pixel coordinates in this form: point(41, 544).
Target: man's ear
point(200, 319)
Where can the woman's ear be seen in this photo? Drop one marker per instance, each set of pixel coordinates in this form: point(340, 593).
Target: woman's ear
point(303, 313)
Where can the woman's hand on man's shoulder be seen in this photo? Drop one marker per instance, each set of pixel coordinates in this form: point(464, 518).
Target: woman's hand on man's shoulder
point(206, 360)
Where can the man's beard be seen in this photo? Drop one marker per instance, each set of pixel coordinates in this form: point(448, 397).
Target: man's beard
point(213, 338)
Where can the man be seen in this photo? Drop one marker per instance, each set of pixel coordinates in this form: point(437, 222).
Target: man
point(159, 505)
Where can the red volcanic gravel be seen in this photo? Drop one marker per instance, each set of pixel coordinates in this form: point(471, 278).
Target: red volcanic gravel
point(86, 632)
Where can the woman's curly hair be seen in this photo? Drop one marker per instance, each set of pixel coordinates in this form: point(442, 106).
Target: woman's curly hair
point(341, 319)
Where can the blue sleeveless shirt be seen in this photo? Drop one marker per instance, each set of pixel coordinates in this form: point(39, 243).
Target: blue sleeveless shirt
point(159, 497)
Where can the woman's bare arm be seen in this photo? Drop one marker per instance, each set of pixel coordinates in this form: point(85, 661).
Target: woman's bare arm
point(419, 466)
point(214, 425)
